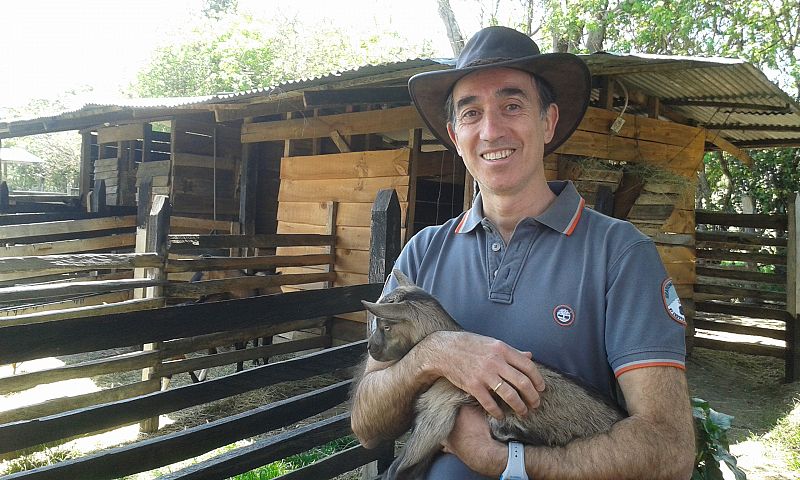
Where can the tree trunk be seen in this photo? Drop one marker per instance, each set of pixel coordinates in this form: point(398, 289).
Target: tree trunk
point(597, 34)
point(451, 24)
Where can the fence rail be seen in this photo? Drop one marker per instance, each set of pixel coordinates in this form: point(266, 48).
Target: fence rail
point(744, 272)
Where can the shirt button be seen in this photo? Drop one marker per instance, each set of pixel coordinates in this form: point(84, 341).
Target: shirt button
point(496, 247)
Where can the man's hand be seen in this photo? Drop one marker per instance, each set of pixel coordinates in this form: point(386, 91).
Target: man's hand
point(482, 366)
point(471, 441)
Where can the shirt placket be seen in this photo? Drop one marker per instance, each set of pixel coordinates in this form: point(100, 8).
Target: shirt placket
point(505, 262)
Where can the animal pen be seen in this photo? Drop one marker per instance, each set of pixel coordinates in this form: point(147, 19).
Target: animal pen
point(289, 189)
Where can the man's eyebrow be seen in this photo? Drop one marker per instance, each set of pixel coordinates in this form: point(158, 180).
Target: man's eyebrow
point(510, 92)
point(465, 101)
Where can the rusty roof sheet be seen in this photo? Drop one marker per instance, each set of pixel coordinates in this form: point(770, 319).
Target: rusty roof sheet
point(726, 95)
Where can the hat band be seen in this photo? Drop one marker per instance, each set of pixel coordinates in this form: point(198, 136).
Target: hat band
point(486, 61)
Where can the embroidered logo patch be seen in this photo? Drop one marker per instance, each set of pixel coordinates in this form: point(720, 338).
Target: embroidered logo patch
point(564, 315)
point(671, 301)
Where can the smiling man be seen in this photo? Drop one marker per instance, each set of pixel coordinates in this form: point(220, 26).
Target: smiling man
point(530, 271)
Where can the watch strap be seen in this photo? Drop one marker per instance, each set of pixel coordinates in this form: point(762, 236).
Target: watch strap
point(515, 468)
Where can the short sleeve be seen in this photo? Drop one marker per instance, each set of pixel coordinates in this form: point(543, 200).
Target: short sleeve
point(645, 326)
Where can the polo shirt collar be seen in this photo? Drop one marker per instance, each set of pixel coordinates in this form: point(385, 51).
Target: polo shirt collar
point(562, 215)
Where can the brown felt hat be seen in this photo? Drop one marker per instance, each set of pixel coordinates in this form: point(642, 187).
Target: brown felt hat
point(493, 47)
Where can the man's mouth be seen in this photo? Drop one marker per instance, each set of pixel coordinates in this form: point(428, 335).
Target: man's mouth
point(497, 155)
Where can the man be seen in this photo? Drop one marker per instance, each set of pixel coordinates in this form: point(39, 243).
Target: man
point(529, 271)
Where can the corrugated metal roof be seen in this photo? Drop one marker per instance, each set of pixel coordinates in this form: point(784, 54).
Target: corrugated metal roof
point(719, 93)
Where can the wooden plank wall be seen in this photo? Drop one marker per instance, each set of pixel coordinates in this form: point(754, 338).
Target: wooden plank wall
point(204, 180)
point(664, 208)
point(352, 180)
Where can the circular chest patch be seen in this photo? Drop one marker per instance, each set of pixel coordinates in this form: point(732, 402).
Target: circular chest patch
point(564, 315)
point(671, 301)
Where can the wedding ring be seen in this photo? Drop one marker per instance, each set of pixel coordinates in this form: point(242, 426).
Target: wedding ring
point(497, 386)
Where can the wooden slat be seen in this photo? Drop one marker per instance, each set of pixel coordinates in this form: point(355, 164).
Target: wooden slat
point(19, 435)
point(373, 121)
point(121, 133)
point(315, 213)
point(30, 341)
point(266, 451)
point(78, 262)
point(56, 406)
point(229, 358)
point(341, 462)
point(14, 232)
point(777, 222)
point(741, 257)
point(118, 363)
point(207, 287)
point(730, 273)
point(737, 292)
point(204, 161)
point(341, 190)
point(189, 242)
point(199, 223)
point(108, 242)
point(748, 348)
point(234, 263)
point(50, 290)
point(82, 301)
point(741, 310)
point(382, 163)
point(740, 329)
point(598, 119)
point(83, 312)
point(748, 239)
point(356, 238)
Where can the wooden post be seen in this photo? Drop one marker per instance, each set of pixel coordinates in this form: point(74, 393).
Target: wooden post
point(330, 229)
point(87, 165)
point(98, 204)
point(384, 245)
point(248, 181)
point(5, 202)
point(793, 292)
point(415, 144)
point(155, 242)
point(604, 201)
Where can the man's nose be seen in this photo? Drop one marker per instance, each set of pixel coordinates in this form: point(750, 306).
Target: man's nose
point(492, 126)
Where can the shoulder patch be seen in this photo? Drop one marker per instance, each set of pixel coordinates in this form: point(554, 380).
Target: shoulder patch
point(672, 303)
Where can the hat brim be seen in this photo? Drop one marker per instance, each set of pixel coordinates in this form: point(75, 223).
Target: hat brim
point(567, 75)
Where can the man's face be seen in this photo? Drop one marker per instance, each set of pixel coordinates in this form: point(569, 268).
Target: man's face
point(499, 130)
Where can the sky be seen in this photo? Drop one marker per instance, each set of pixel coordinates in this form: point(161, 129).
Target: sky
point(53, 46)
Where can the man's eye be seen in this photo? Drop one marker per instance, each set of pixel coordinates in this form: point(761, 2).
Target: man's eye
point(513, 106)
point(469, 115)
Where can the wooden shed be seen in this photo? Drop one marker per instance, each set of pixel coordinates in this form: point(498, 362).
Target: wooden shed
point(310, 156)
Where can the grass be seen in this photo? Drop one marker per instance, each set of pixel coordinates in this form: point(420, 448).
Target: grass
point(298, 461)
point(786, 438)
point(43, 458)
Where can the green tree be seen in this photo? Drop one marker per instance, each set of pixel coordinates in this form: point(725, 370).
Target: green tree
point(249, 53)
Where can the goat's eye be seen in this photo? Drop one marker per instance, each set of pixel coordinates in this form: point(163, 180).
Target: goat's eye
point(387, 327)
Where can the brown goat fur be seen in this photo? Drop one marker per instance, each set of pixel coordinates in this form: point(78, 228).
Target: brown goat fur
point(407, 315)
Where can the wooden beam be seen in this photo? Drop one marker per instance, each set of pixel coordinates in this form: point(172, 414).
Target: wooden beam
point(373, 121)
point(28, 342)
point(355, 96)
point(340, 142)
point(715, 138)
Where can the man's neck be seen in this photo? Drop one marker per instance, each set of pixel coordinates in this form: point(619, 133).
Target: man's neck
point(506, 211)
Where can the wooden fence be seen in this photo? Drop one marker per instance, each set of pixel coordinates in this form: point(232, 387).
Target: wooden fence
point(744, 264)
point(179, 339)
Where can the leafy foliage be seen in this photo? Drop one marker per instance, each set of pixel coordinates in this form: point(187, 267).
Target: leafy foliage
point(711, 429)
point(244, 53)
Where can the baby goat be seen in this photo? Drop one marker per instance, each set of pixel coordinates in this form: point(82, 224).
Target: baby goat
point(407, 315)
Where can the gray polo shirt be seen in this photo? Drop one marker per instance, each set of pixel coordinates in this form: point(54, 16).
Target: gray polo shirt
point(585, 293)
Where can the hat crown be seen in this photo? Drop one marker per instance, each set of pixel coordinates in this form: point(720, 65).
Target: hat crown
point(496, 44)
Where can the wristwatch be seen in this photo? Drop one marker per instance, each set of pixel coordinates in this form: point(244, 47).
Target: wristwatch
point(515, 469)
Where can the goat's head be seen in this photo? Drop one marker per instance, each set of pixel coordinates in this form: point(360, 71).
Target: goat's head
point(403, 317)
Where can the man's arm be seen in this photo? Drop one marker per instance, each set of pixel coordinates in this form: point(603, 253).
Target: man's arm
point(656, 441)
point(383, 401)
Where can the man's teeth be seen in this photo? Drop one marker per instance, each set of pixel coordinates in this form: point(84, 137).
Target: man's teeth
point(497, 155)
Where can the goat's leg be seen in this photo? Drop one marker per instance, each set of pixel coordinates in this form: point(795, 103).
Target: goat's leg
point(436, 414)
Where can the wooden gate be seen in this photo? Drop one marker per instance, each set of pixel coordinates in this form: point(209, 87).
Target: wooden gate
point(744, 264)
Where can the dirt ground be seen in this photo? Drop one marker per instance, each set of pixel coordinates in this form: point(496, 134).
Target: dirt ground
point(752, 389)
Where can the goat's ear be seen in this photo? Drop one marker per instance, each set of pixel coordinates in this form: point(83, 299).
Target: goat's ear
point(389, 311)
point(402, 280)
